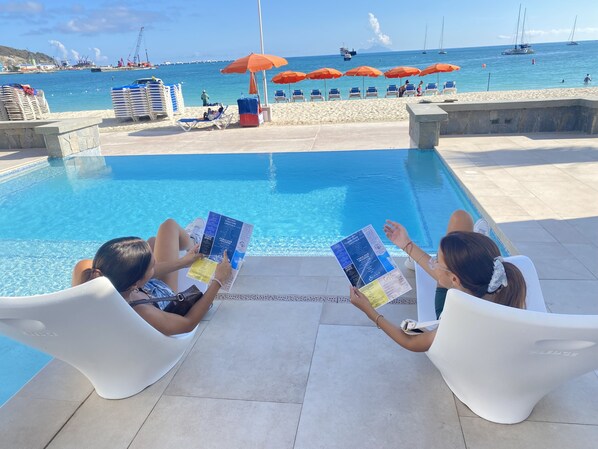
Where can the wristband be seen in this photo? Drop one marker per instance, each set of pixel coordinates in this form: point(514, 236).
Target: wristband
point(217, 281)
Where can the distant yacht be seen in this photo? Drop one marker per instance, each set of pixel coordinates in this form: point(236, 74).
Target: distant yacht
point(522, 48)
point(572, 35)
point(442, 51)
point(344, 50)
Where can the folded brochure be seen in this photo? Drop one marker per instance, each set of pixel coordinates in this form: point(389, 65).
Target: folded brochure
point(220, 233)
point(368, 266)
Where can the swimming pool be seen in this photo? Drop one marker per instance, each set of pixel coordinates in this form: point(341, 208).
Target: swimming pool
point(299, 204)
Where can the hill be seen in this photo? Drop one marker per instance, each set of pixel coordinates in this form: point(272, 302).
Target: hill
point(10, 57)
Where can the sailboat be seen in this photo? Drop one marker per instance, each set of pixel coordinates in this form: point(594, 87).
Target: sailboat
point(521, 48)
point(441, 51)
point(572, 35)
point(425, 40)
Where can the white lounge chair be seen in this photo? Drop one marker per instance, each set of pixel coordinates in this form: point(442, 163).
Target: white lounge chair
point(280, 96)
point(354, 92)
point(500, 361)
point(316, 94)
point(410, 90)
point(431, 89)
point(297, 95)
point(334, 94)
point(450, 87)
point(371, 92)
point(93, 328)
point(392, 91)
point(221, 121)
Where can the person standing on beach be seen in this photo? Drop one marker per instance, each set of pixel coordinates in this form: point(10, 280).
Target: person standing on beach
point(587, 79)
point(205, 98)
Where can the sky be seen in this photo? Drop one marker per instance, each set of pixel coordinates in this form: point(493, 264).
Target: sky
point(105, 31)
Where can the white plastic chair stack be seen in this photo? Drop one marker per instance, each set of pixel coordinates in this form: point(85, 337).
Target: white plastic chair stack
point(93, 328)
point(178, 103)
point(121, 102)
point(140, 103)
point(16, 104)
point(160, 99)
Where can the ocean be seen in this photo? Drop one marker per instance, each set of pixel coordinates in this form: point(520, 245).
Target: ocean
point(553, 65)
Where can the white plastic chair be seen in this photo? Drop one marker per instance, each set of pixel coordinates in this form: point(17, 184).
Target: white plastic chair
point(450, 87)
point(93, 328)
point(500, 361)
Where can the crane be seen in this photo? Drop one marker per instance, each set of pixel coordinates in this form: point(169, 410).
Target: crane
point(136, 59)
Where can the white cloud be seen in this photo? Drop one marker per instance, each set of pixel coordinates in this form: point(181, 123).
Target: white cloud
point(76, 55)
point(98, 55)
point(382, 38)
point(60, 46)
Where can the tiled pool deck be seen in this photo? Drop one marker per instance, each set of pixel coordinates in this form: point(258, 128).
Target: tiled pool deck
point(309, 375)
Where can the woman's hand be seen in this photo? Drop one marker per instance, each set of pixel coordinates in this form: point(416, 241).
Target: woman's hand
point(191, 256)
point(223, 270)
point(396, 233)
point(361, 301)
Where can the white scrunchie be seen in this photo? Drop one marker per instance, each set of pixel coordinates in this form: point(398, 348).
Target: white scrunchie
point(499, 276)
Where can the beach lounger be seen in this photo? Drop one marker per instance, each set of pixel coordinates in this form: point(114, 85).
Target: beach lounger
point(316, 94)
point(220, 121)
point(450, 87)
point(334, 94)
point(371, 92)
point(410, 90)
point(431, 89)
point(298, 95)
point(280, 96)
point(392, 91)
point(354, 93)
point(500, 361)
point(92, 328)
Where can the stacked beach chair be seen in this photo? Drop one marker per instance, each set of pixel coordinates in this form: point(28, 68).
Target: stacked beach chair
point(19, 102)
point(153, 100)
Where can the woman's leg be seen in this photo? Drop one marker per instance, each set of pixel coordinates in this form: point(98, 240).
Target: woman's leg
point(170, 239)
point(460, 221)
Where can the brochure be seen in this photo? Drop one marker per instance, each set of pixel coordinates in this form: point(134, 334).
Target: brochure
point(220, 233)
point(368, 266)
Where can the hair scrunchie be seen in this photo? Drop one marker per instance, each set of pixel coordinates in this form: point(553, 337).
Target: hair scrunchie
point(499, 276)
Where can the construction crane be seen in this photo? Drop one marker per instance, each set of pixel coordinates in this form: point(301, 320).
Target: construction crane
point(136, 59)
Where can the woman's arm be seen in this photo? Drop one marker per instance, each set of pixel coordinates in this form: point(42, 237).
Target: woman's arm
point(397, 234)
point(173, 324)
point(415, 343)
point(168, 266)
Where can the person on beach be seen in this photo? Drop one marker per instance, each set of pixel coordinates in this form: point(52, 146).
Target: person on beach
point(467, 260)
point(403, 88)
point(587, 79)
point(205, 98)
point(141, 269)
point(420, 88)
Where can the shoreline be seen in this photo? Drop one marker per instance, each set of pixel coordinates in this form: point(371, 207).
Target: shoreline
point(329, 112)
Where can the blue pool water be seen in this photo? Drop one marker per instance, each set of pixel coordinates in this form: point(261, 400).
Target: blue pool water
point(299, 204)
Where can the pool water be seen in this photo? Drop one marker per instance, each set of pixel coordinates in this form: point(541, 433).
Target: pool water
point(299, 204)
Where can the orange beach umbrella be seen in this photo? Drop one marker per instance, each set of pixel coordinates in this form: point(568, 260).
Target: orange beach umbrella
point(325, 73)
point(289, 77)
point(402, 72)
point(363, 71)
point(439, 68)
point(254, 62)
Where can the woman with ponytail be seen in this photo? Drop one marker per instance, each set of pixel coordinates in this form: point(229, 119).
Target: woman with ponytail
point(141, 269)
point(466, 260)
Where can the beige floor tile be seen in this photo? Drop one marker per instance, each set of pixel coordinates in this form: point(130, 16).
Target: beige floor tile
point(365, 391)
point(218, 424)
point(252, 350)
point(571, 296)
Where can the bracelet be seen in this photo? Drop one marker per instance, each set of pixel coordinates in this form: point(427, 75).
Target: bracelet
point(377, 318)
point(217, 281)
point(410, 245)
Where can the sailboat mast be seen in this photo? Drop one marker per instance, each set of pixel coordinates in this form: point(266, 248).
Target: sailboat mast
point(517, 30)
point(425, 39)
point(441, 33)
point(573, 30)
point(523, 27)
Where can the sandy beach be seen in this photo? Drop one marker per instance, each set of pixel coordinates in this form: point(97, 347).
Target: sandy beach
point(343, 111)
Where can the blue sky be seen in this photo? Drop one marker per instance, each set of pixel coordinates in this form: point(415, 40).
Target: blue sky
point(105, 31)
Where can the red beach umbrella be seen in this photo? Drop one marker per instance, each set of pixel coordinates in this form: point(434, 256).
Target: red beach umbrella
point(289, 77)
point(363, 71)
point(252, 84)
point(402, 72)
point(325, 73)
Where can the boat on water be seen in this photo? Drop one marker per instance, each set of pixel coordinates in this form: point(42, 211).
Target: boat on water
point(441, 50)
point(347, 56)
point(521, 48)
point(344, 50)
point(572, 40)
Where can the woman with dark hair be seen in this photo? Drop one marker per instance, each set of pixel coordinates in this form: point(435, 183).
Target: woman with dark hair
point(141, 269)
point(466, 260)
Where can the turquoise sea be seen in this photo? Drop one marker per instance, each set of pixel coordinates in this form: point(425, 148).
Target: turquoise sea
point(547, 68)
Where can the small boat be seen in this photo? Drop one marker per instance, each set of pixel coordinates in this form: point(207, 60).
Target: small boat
point(521, 48)
point(572, 35)
point(344, 50)
point(441, 50)
point(347, 56)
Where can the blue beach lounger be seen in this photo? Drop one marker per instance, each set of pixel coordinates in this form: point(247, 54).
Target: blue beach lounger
point(316, 94)
point(410, 90)
point(450, 87)
point(354, 93)
point(392, 91)
point(221, 120)
point(298, 95)
point(280, 96)
point(371, 92)
point(431, 89)
point(334, 94)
